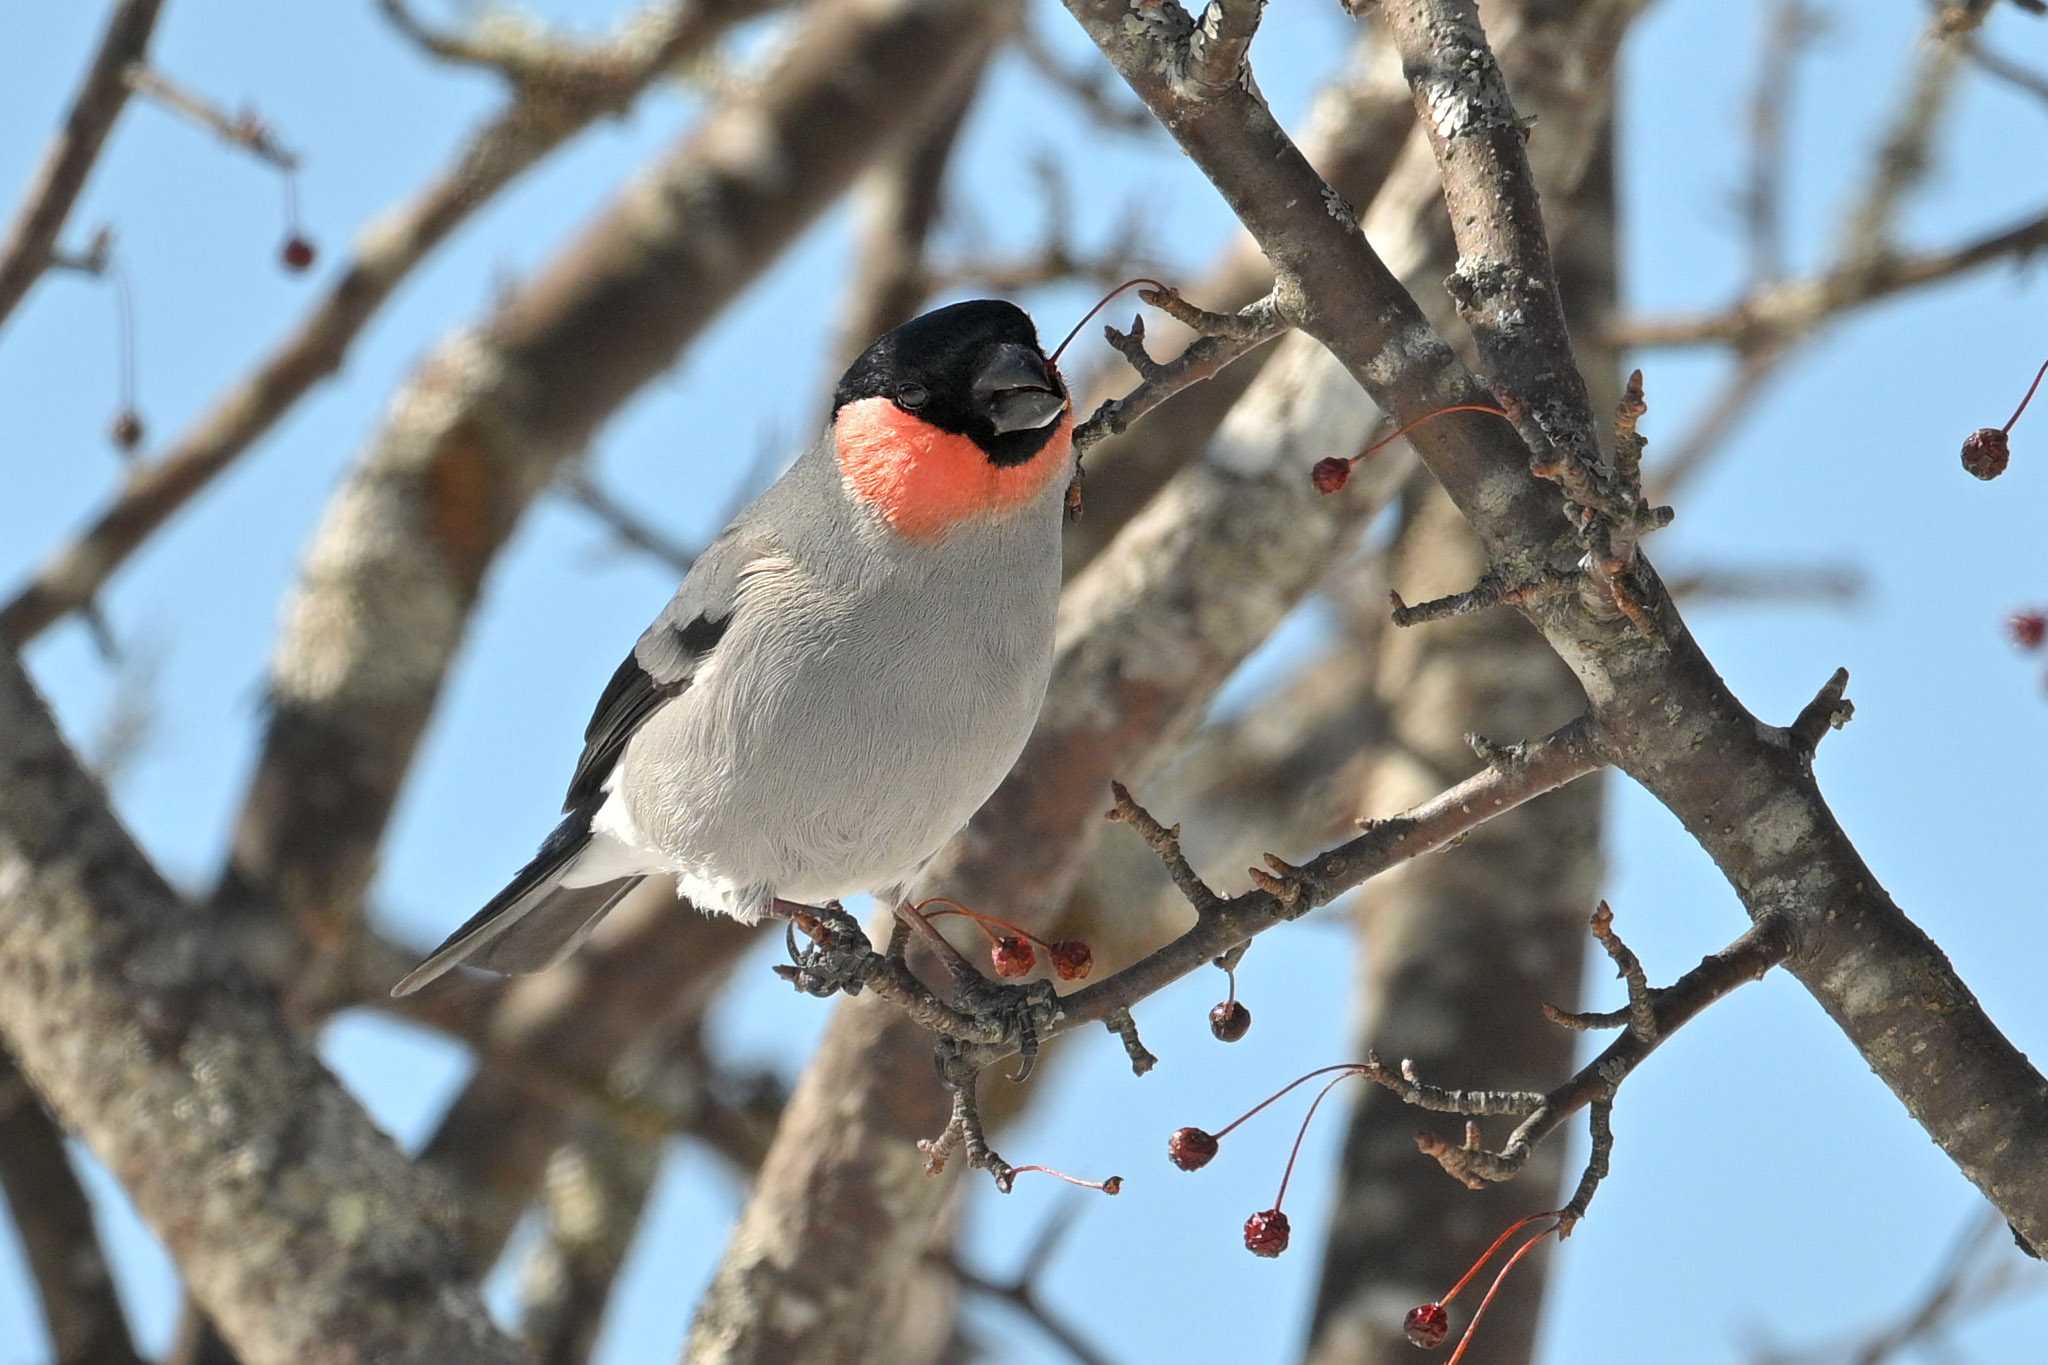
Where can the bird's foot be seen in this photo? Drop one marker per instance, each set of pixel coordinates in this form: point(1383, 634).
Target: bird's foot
point(1027, 1013)
point(839, 953)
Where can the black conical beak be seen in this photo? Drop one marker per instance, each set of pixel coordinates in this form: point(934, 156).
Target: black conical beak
point(1016, 392)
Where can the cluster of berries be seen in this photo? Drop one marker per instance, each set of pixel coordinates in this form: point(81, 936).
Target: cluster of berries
point(1267, 1232)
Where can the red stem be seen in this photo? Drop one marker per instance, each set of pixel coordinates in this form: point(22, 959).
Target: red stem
point(1297, 1081)
point(1427, 417)
point(1302, 1132)
point(2028, 399)
point(1100, 304)
point(1490, 1252)
point(1112, 1185)
point(1473, 1326)
point(984, 921)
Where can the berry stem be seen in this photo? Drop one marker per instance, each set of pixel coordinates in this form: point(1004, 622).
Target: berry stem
point(1101, 304)
point(1426, 417)
point(983, 921)
point(124, 330)
point(1472, 1327)
point(2028, 399)
point(1302, 1132)
point(1113, 1185)
point(1490, 1252)
point(1297, 1081)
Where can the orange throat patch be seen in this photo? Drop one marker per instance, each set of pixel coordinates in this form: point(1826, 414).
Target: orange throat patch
point(925, 481)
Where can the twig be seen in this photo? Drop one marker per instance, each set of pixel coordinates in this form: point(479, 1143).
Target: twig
point(1650, 1018)
point(1056, 258)
point(627, 527)
point(1221, 338)
point(54, 1221)
point(512, 142)
point(1021, 1291)
point(1221, 924)
point(1786, 34)
point(1958, 1075)
point(1787, 311)
point(245, 130)
point(537, 61)
point(2003, 68)
point(1219, 44)
point(1829, 710)
point(1974, 1273)
point(32, 236)
point(1837, 585)
point(1088, 86)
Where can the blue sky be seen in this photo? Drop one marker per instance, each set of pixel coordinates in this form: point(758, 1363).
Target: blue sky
point(1764, 1184)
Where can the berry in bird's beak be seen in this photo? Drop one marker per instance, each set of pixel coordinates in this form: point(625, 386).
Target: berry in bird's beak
point(1016, 391)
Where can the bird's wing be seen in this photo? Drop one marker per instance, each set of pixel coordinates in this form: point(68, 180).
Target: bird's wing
point(668, 655)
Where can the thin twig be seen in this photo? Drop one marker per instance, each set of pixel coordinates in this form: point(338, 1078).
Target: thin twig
point(1226, 338)
point(244, 130)
point(510, 143)
point(32, 237)
point(1650, 1018)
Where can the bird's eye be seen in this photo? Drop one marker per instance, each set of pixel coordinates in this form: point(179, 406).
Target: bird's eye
point(912, 396)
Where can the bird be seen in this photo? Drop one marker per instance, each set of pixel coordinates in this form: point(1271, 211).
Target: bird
point(846, 673)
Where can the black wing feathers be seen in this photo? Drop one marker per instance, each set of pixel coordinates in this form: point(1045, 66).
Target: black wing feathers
point(659, 667)
point(665, 658)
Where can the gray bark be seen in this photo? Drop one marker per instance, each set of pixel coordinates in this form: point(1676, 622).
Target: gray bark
point(299, 1227)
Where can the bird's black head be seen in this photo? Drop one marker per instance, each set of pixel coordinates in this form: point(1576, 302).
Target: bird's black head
point(973, 369)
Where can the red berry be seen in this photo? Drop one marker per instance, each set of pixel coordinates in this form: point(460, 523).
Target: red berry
point(1012, 956)
point(1230, 1021)
point(1427, 1325)
point(297, 253)
point(126, 432)
point(2028, 628)
point(1330, 474)
point(1191, 1149)
point(1265, 1234)
point(1986, 452)
point(1072, 959)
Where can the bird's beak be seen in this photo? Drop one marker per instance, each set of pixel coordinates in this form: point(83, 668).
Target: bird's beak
point(1017, 392)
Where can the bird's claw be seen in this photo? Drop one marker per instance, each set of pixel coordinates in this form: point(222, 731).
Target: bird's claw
point(1028, 1013)
point(838, 955)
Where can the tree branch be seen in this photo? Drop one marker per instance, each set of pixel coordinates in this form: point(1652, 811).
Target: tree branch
point(1787, 311)
point(54, 1219)
point(1745, 793)
point(522, 134)
point(32, 236)
point(305, 1233)
point(1650, 1018)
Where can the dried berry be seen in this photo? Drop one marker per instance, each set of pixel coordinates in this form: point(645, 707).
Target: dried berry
point(1265, 1234)
point(1012, 956)
point(1986, 452)
point(297, 253)
point(1330, 474)
point(1191, 1148)
point(1427, 1325)
point(2028, 628)
point(1072, 959)
point(126, 432)
point(1230, 1021)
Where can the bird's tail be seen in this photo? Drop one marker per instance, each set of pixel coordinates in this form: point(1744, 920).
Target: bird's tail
point(536, 921)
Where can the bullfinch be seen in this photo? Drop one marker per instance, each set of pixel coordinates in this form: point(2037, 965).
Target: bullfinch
point(847, 671)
